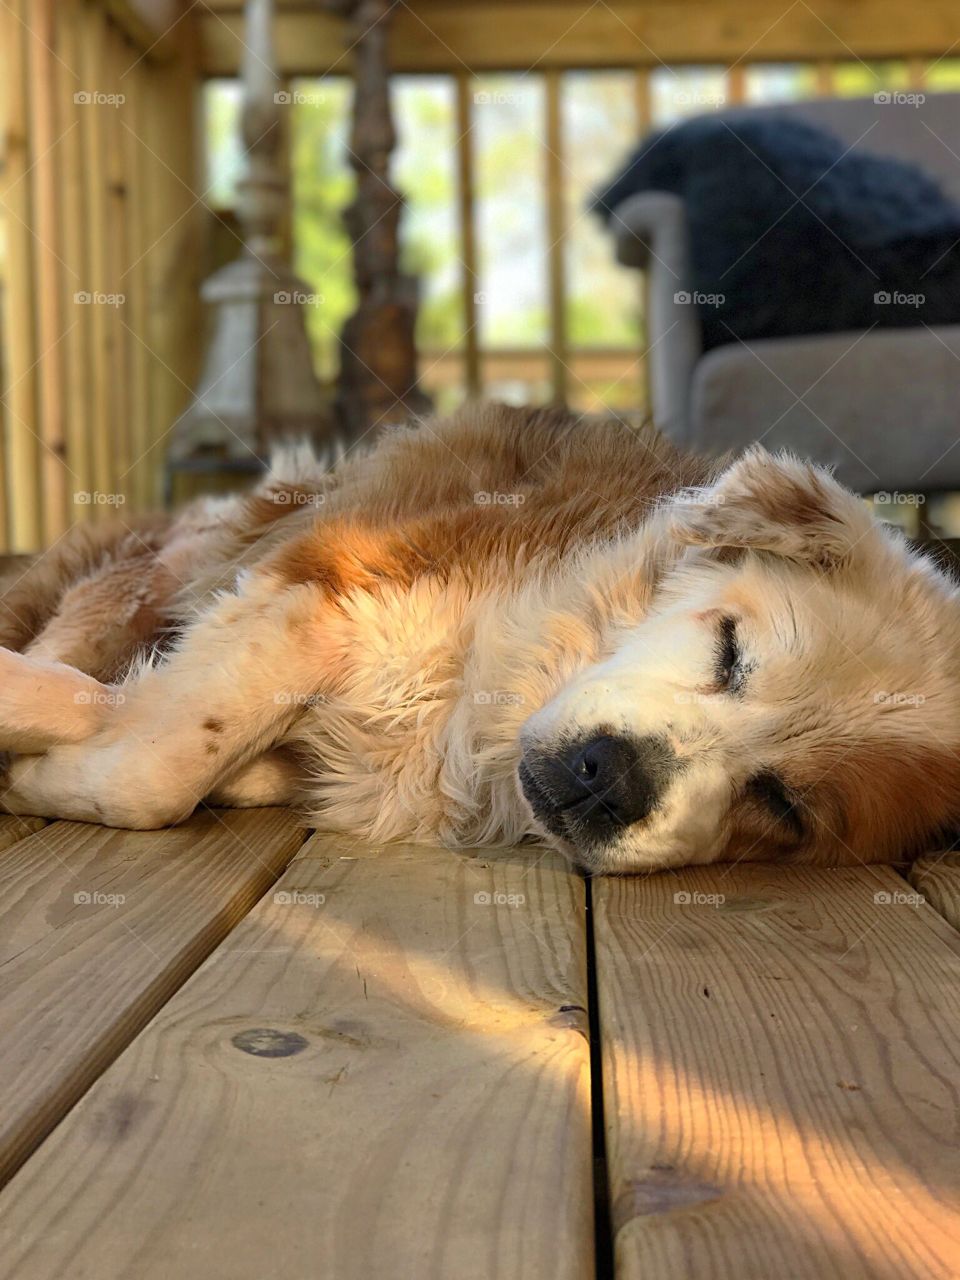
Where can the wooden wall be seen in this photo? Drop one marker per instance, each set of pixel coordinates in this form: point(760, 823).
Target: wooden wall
point(100, 224)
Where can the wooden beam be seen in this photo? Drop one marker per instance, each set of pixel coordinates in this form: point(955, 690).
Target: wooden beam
point(488, 35)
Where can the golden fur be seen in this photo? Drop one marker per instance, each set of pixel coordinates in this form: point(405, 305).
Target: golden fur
point(386, 643)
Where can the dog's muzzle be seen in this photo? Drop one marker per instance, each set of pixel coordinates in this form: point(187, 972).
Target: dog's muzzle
point(588, 791)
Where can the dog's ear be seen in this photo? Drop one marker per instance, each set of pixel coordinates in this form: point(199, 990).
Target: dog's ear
point(767, 502)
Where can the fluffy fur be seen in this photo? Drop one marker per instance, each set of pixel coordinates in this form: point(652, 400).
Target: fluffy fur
point(395, 642)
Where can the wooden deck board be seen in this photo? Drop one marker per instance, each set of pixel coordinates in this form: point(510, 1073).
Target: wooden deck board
point(937, 877)
point(98, 928)
point(780, 1076)
point(13, 829)
point(390, 1082)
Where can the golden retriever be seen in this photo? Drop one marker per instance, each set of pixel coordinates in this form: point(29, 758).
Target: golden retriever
point(509, 624)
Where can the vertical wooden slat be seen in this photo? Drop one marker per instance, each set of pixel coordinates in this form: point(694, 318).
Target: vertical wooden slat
point(97, 321)
point(172, 262)
point(75, 276)
point(118, 257)
point(468, 230)
point(643, 100)
point(555, 235)
point(136, 285)
point(44, 129)
point(737, 84)
point(643, 106)
point(19, 299)
point(917, 72)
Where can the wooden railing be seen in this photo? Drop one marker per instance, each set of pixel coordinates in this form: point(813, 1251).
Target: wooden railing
point(465, 40)
point(99, 215)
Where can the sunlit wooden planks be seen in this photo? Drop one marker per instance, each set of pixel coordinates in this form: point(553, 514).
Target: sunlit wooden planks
point(382, 1071)
point(780, 1075)
point(98, 928)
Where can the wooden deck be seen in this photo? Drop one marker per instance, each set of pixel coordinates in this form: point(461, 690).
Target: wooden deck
point(236, 1050)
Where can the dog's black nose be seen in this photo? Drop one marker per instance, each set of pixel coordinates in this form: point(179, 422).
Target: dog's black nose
point(597, 786)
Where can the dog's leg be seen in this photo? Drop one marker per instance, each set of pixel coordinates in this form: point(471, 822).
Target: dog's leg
point(229, 692)
point(45, 703)
point(272, 778)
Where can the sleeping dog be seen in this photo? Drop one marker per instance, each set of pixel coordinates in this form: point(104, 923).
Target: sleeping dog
point(510, 624)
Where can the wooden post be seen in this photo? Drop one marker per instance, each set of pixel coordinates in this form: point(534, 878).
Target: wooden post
point(556, 243)
point(378, 381)
point(257, 386)
point(468, 230)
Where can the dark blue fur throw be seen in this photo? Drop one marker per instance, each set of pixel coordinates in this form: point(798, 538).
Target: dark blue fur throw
point(794, 235)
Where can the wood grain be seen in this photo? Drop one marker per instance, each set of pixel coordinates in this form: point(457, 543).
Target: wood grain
point(392, 1081)
point(97, 929)
point(780, 1075)
point(14, 829)
point(523, 34)
point(937, 877)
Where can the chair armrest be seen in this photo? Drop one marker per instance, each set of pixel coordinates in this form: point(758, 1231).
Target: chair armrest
point(651, 233)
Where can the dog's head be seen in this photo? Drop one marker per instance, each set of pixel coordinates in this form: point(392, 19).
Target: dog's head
point(794, 690)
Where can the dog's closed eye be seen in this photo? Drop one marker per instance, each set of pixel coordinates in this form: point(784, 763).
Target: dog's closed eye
point(770, 792)
point(729, 667)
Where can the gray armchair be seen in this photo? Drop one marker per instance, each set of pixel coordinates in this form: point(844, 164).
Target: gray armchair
point(882, 407)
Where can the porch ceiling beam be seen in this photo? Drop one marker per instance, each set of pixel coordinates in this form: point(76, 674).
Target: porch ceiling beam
point(444, 35)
